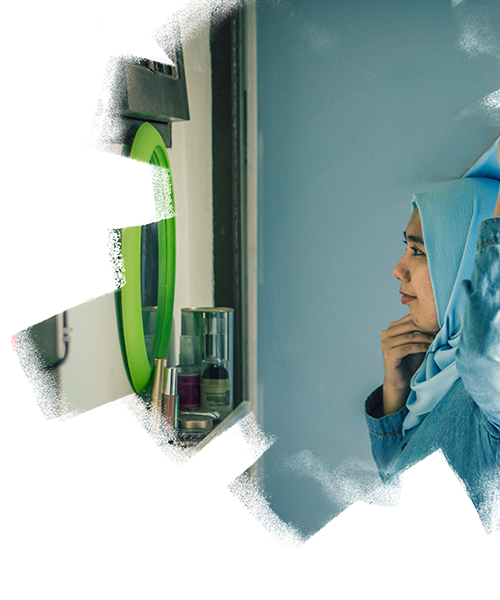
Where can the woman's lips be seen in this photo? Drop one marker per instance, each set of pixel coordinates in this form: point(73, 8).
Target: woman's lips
point(405, 298)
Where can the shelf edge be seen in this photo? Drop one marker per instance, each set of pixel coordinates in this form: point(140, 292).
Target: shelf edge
point(241, 411)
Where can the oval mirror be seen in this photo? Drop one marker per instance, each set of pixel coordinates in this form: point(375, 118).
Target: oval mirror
point(145, 303)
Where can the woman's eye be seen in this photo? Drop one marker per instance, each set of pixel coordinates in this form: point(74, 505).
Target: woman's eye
point(415, 250)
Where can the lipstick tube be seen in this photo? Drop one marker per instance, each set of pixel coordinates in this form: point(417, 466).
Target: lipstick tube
point(170, 403)
point(159, 373)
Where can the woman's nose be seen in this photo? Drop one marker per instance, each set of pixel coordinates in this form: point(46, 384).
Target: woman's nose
point(400, 271)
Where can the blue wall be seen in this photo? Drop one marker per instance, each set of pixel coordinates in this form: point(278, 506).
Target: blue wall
point(360, 104)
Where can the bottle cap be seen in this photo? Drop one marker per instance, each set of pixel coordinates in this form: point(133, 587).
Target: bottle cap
point(212, 345)
point(171, 382)
point(159, 375)
point(186, 354)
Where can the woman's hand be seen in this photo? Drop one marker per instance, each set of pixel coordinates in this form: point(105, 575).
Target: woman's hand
point(403, 347)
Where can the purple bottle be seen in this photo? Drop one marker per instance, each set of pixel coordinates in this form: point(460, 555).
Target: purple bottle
point(188, 375)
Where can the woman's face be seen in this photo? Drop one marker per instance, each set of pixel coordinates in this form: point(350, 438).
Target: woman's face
point(413, 272)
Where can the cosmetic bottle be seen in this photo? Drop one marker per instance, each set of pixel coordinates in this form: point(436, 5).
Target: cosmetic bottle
point(197, 322)
point(215, 380)
point(188, 374)
point(171, 404)
point(157, 392)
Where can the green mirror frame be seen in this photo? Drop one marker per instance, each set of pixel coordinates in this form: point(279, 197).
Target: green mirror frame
point(148, 146)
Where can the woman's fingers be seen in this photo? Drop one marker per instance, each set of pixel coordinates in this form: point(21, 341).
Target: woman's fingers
point(404, 346)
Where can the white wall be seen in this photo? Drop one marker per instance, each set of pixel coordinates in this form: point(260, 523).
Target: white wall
point(94, 373)
point(191, 162)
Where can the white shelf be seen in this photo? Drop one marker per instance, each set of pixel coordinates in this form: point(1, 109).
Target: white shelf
point(180, 455)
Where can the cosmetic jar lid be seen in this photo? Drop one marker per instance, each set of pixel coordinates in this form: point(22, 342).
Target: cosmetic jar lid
point(213, 414)
point(195, 422)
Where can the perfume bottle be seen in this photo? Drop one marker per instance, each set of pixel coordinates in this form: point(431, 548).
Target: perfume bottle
point(215, 381)
point(188, 374)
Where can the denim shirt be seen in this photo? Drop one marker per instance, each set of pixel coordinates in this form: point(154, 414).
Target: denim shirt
point(465, 424)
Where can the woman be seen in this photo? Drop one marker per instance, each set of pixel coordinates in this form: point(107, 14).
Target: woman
point(442, 361)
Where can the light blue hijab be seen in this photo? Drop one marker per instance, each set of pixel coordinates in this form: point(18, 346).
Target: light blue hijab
point(450, 216)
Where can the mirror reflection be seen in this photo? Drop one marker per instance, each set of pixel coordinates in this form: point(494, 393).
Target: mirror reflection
point(149, 283)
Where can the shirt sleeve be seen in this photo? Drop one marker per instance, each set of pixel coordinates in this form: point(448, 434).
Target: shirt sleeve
point(478, 354)
point(386, 432)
